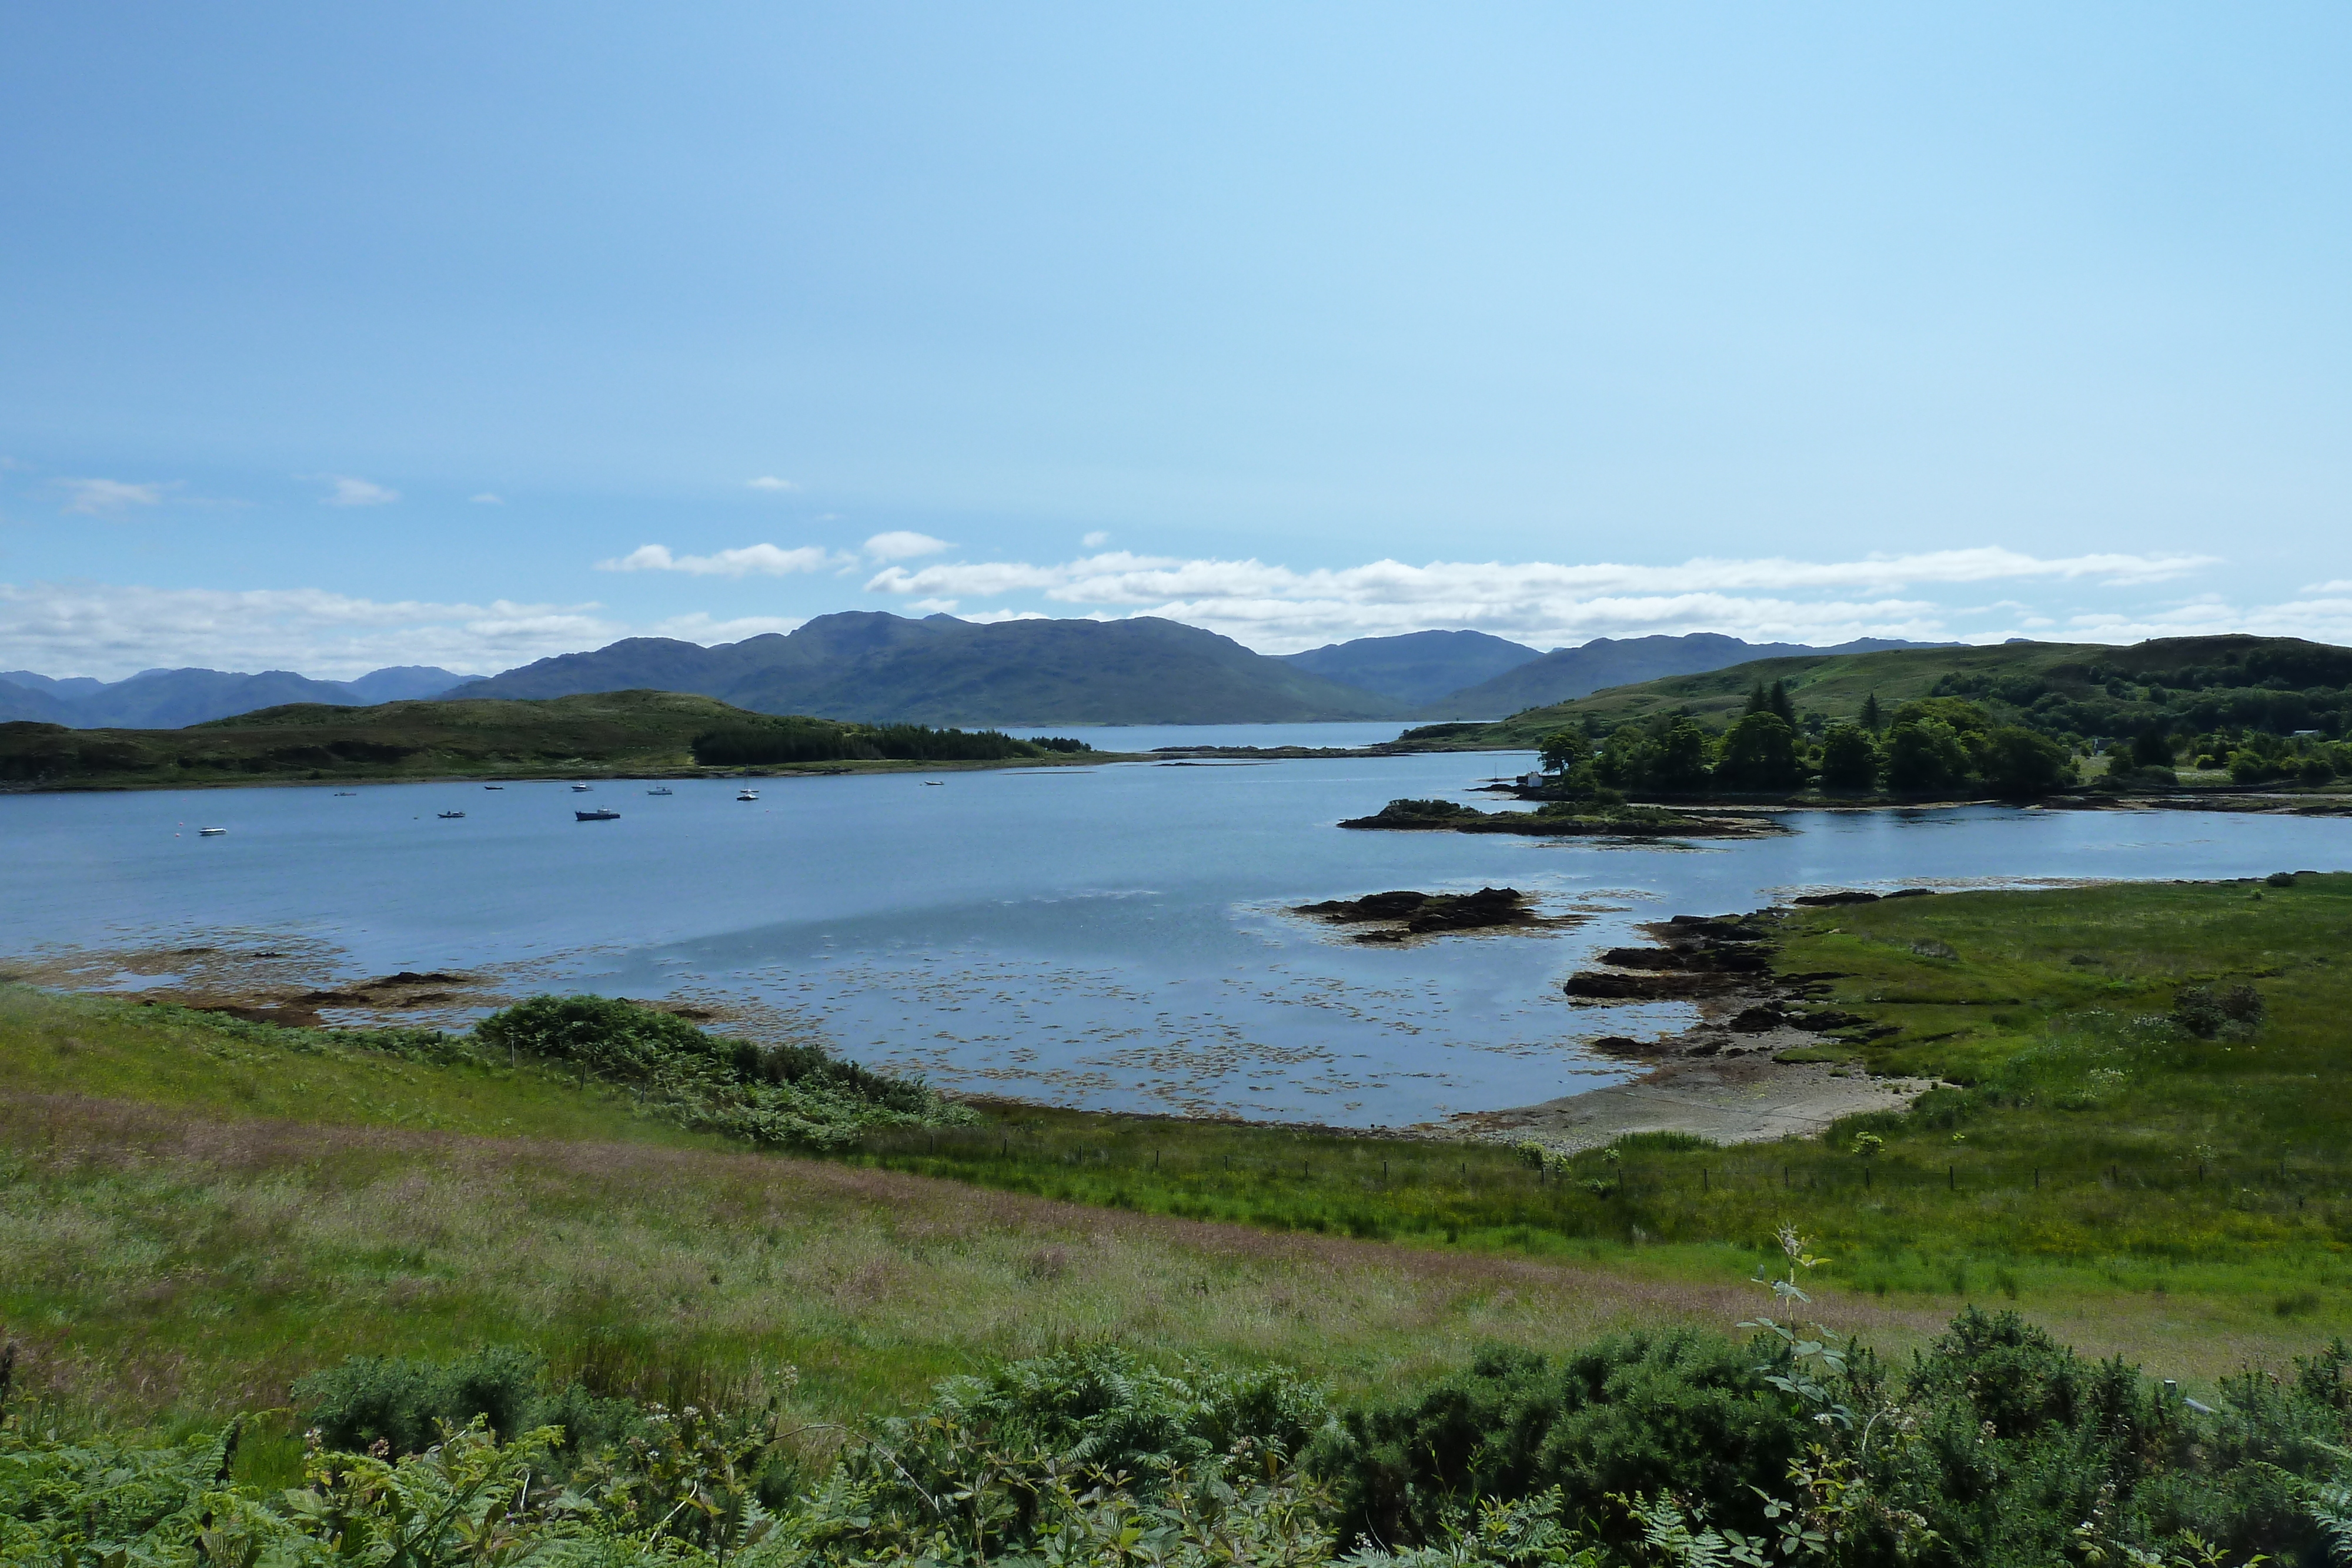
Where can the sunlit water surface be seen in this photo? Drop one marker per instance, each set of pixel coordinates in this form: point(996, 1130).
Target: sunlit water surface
point(1113, 937)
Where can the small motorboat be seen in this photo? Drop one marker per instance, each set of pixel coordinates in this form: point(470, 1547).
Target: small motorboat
point(582, 789)
point(451, 815)
point(661, 789)
point(602, 814)
point(210, 832)
point(747, 794)
point(346, 792)
point(493, 786)
point(934, 783)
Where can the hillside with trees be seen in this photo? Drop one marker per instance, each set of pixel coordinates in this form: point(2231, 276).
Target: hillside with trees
point(638, 734)
point(2008, 720)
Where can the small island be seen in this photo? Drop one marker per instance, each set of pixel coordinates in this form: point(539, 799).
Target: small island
point(1568, 818)
point(1400, 915)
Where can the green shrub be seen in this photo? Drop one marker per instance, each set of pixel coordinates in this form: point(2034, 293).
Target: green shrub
point(776, 1094)
point(1677, 1411)
point(405, 1404)
point(2208, 1012)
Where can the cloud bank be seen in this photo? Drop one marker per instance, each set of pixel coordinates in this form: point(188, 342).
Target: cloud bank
point(1276, 608)
point(1976, 595)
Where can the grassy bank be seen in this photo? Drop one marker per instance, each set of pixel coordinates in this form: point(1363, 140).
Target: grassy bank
point(198, 1209)
point(194, 1216)
point(2089, 1143)
point(633, 734)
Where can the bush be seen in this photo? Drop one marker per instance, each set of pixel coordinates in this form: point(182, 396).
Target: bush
point(776, 1094)
point(1676, 1411)
point(2209, 1011)
point(404, 1404)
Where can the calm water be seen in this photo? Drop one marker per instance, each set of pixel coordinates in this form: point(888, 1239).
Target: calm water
point(1111, 937)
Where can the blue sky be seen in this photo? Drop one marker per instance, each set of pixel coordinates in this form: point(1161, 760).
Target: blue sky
point(336, 337)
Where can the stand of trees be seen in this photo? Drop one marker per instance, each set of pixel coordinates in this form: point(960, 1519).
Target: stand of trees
point(782, 740)
point(1934, 746)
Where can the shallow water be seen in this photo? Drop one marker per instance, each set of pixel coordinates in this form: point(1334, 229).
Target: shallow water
point(1112, 936)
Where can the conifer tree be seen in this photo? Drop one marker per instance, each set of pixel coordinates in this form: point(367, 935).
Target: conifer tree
point(1870, 719)
point(1779, 703)
point(1758, 702)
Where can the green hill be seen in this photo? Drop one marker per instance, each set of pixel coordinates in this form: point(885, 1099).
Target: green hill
point(2278, 685)
point(631, 732)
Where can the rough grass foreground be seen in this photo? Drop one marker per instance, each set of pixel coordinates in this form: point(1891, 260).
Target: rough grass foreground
point(158, 1265)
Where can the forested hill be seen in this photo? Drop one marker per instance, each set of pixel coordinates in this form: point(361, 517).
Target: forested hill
point(2274, 684)
point(887, 668)
point(1566, 674)
point(627, 734)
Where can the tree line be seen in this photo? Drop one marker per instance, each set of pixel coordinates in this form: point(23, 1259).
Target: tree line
point(769, 743)
point(1931, 745)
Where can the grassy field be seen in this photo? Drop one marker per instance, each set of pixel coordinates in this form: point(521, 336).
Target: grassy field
point(198, 1212)
point(192, 1220)
point(636, 733)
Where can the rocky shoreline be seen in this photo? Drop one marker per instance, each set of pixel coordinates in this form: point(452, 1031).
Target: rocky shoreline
point(1724, 1077)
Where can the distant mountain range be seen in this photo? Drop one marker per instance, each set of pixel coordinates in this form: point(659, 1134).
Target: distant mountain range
point(174, 699)
point(888, 669)
point(881, 668)
point(1565, 674)
point(1418, 667)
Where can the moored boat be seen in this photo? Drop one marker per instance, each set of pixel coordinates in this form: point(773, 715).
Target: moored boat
point(602, 814)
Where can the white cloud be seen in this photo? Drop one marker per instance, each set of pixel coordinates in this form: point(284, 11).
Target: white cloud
point(700, 627)
point(1096, 540)
point(487, 498)
point(108, 497)
point(346, 491)
point(903, 545)
point(770, 482)
point(2341, 585)
point(762, 559)
point(1277, 609)
point(934, 606)
point(110, 631)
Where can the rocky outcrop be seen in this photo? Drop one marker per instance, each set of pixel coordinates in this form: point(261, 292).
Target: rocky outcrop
point(1556, 822)
point(1404, 913)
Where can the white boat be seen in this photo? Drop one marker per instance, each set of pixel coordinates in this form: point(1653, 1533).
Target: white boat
point(582, 789)
point(747, 794)
point(661, 789)
point(450, 816)
point(210, 832)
